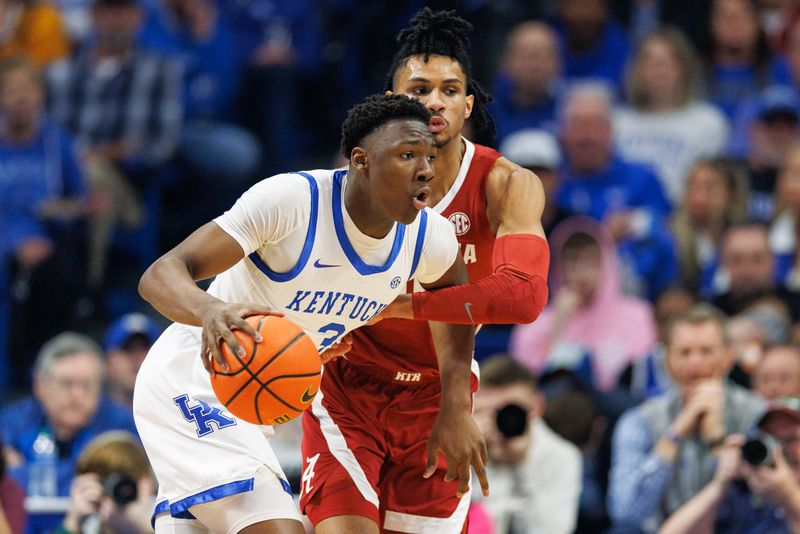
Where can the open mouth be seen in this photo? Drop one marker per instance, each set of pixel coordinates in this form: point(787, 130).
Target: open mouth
point(420, 200)
point(436, 125)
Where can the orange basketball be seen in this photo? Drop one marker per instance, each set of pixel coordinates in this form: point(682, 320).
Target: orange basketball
point(276, 379)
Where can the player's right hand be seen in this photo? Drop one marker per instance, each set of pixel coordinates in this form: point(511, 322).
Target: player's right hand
point(219, 321)
point(85, 493)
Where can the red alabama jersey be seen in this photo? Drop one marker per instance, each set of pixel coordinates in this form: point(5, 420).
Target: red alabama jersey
point(402, 349)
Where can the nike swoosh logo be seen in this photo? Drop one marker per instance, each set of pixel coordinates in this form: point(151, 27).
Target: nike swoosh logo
point(307, 396)
point(467, 306)
point(319, 265)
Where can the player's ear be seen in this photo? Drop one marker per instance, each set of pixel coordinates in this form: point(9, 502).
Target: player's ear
point(468, 109)
point(358, 158)
point(389, 92)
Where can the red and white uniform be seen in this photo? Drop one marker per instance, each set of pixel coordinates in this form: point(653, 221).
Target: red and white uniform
point(365, 437)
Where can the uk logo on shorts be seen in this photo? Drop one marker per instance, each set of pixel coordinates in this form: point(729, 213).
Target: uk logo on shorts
point(460, 222)
point(395, 282)
point(202, 415)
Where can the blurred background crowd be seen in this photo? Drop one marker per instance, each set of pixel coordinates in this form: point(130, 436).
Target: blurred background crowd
point(667, 137)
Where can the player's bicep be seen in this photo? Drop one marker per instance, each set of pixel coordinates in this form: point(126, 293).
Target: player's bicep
point(439, 253)
point(454, 276)
point(518, 201)
point(208, 251)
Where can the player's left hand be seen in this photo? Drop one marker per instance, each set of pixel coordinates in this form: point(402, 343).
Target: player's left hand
point(456, 436)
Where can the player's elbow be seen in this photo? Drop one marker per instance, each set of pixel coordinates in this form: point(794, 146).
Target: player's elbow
point(145, 283)
point(532, 305)
point(149, 281)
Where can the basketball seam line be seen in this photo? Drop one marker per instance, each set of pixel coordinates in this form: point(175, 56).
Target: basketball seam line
point(254, 376)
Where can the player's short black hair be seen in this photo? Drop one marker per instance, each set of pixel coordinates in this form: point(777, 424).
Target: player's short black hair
point(376, 111)
point(442, 33)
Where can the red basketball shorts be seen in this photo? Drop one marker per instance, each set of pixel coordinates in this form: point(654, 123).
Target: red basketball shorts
point(365, 450)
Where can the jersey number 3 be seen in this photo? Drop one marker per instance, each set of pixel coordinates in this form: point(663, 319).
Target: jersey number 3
point(336, 330)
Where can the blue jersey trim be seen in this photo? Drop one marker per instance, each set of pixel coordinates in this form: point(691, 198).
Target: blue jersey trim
point(423, 226)
point(309, 244)
point(161, 507)
point(338, 223)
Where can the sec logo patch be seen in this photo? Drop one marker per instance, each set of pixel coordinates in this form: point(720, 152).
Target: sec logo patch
point(460, 222)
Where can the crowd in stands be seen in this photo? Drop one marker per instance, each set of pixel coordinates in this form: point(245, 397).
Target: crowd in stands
point(666, 135)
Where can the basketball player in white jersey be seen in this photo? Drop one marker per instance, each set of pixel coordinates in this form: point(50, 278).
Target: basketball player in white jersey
point(327, 249)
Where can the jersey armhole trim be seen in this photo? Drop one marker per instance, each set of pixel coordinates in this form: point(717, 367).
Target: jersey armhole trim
point(307, 246)
point(338, 222)
point(423, 226)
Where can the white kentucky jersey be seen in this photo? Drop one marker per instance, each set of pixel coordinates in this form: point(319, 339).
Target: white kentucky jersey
point(339, 278)
point(305, 257)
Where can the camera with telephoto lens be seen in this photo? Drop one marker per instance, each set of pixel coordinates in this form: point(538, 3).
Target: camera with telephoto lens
point(121, 488)
point(758, 450)
point(512, 420)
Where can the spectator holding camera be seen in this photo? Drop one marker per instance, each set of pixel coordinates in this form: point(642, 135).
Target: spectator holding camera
point(536, 475)
point(768, 501)
point(113, 487)
point(662, 450)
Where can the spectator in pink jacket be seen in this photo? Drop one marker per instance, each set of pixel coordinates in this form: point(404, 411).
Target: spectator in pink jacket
point(588, 316)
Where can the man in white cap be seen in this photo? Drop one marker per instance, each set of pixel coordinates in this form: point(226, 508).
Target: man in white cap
point(538, 151)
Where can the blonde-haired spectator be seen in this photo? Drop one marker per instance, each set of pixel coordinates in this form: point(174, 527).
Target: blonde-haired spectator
point(714, 199)
point(665, 124)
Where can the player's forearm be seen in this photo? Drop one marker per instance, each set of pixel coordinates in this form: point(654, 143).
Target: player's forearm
point(169, 286)
point(454, 346)
point(516, 292)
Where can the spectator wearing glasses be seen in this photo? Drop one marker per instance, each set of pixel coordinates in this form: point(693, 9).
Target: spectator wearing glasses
point(67, 402)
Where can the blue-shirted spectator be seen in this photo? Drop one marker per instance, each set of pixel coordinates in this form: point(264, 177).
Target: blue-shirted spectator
point(68, 402)
point(627, 197)
point(283, 45)
point(662, 450)
point(222, 158)
point(525, 95)
point(43, 198)
point(593, 44)
point(773, 130)
point(740, 62)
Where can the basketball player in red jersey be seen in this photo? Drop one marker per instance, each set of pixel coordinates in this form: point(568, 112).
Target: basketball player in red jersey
point(388, 410)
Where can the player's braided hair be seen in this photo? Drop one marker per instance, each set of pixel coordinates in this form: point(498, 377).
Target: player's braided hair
point(442, 33)
point(376, 111)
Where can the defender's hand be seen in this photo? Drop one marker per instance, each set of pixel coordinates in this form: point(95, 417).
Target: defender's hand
point(219, 321)
point(400, 308)
point(340, 348)
point(455, 434)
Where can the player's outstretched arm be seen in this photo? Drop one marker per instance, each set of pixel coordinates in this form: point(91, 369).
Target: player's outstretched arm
point(516, 291)
point(455, 434)
point(169, 284)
